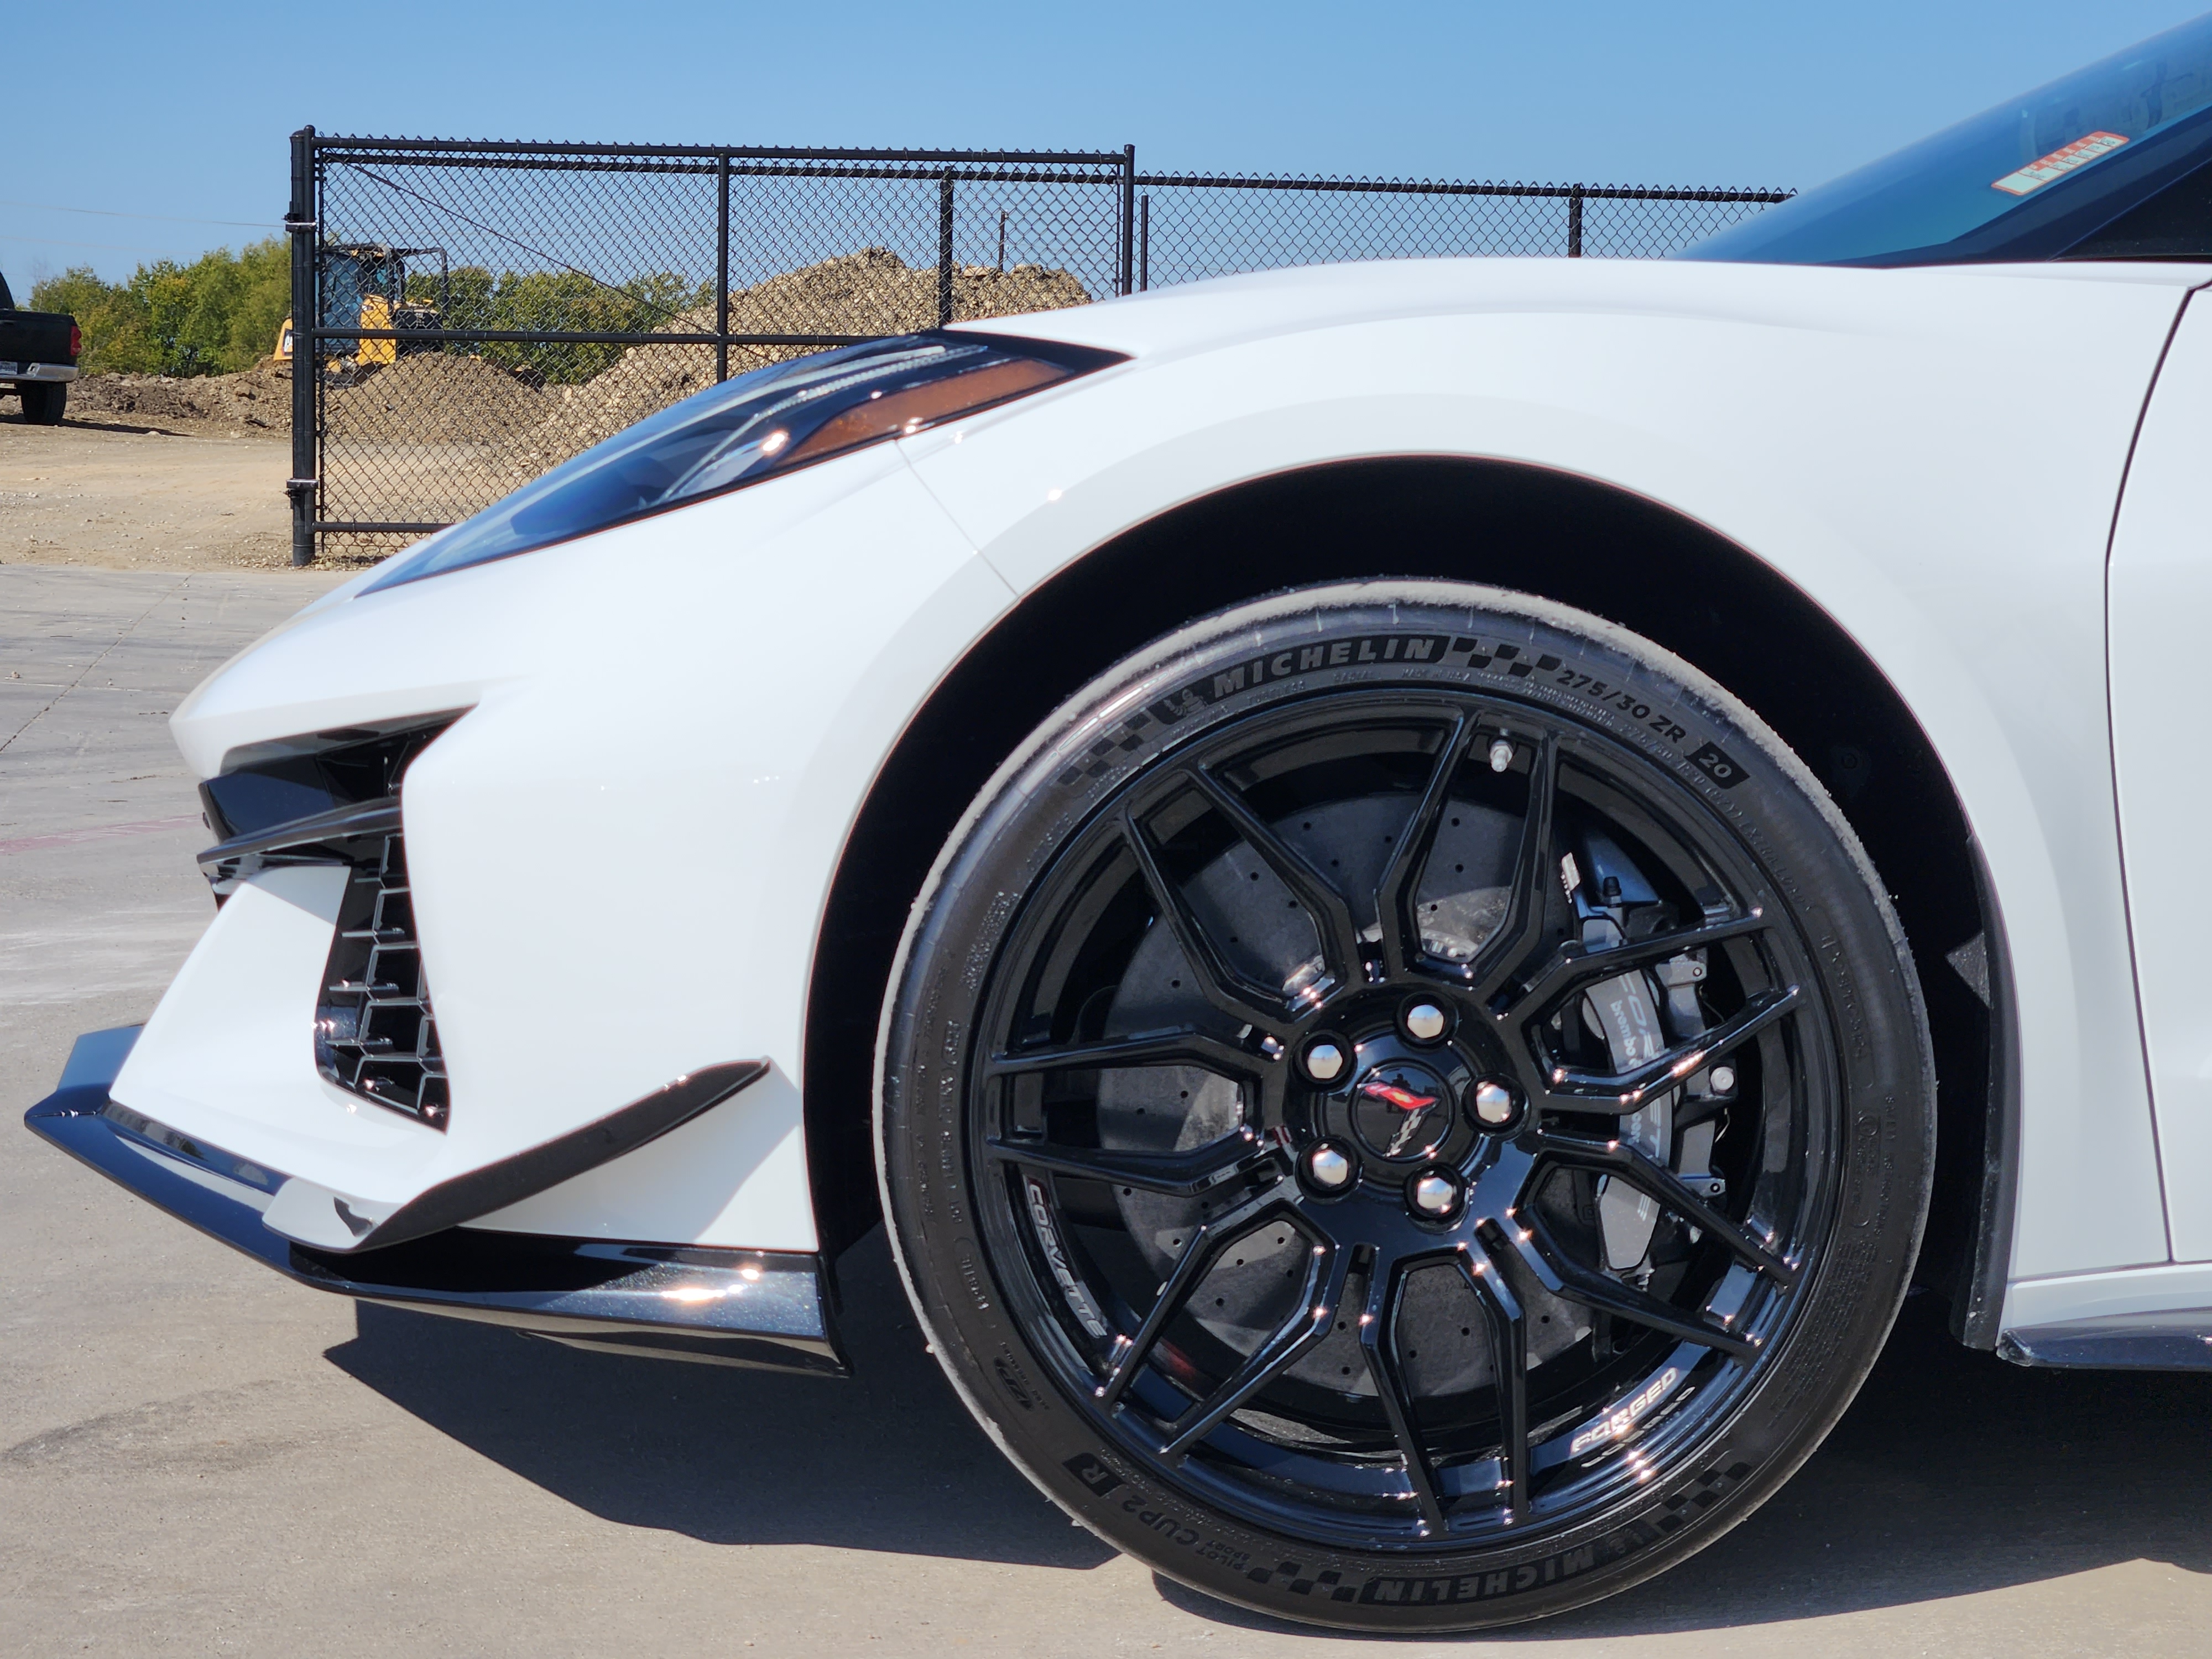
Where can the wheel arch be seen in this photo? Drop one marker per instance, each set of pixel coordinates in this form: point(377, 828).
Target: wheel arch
point(1565, 538)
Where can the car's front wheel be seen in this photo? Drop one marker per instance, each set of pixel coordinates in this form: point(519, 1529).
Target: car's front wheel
point(1404, 1106)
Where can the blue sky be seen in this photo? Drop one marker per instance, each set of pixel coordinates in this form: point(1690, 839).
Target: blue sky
point(165, 118)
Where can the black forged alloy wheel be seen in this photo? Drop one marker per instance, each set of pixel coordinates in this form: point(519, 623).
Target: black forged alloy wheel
point(1405, 1107)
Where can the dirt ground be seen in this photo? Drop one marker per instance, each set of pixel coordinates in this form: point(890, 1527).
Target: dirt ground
point(107, 492)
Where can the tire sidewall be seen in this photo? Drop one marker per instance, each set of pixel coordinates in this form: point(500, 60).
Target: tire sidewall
point(1502, 645)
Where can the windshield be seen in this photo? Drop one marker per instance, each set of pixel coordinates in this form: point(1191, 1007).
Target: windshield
point(2096, 164)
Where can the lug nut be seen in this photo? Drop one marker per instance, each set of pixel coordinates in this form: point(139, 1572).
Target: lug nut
point(1723, 1079)
point(1328, 1169)
point(1425, 1021)
point(1436, 1193)
point(1325, 1062)
point(1493, 1104)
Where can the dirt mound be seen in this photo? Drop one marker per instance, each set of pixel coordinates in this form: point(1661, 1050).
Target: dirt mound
point(435, 398)
point(258, 400)
point(870, 292)
point(522, 430)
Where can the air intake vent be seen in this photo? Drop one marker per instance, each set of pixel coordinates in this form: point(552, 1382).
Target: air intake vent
point(374, 1032)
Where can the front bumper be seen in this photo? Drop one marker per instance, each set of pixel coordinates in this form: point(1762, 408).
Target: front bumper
point(763, 1308)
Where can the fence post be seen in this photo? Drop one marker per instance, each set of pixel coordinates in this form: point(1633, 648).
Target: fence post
point(1144, 243)
point(306, 350)
point(1128, 219)
point(722, 267)
point(945, 250)
point(1575, 223)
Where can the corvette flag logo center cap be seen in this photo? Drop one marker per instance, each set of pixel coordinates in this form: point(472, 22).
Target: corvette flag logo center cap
point(1401, 1112)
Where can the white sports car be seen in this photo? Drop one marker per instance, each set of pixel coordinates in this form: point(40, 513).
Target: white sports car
point(1421, 890)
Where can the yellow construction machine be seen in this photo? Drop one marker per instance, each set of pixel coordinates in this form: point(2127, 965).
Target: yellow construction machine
point(364, 286)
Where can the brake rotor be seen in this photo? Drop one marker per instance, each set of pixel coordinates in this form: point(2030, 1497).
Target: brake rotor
point(1462, 900)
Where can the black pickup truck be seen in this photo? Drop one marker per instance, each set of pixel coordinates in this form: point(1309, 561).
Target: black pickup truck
point(37, 357)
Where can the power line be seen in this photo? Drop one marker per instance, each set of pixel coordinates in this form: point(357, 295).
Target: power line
point(166, 218)
point(113, 247)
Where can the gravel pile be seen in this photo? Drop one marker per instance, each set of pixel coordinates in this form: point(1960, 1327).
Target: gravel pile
point(870, 292)
point(426, 397)
point(436, 397)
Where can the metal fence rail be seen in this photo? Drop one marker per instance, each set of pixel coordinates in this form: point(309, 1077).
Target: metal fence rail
point(1192, 226)
point(469, 314)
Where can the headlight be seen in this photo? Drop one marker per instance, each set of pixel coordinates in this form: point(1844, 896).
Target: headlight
point(762, 423)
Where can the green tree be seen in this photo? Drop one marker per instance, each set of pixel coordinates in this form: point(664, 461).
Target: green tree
point(221, 313)
point(111, 317)
point(218, 314)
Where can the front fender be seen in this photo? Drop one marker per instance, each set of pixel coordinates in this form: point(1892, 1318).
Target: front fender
point(1930, 456)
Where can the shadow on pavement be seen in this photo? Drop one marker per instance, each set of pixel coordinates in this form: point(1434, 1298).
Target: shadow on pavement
point(1953, 1473)
point(889, 1460)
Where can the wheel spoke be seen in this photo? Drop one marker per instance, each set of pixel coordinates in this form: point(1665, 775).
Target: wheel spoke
point(1297, 1335)
point(1177, 1175)
point(1395, 908)
point(1206, 1243)
point(1220, 984)
point(1379, 1341)
point(1625, 1092)
point(1578, 964)
point(1145, 1048)
point(1567, 1278)
point(1508, 1351)
point(1331, 911)
point(1625, 1163)
point(1534, 870)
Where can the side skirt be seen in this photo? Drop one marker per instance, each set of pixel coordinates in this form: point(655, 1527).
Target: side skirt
point(2171, 1341)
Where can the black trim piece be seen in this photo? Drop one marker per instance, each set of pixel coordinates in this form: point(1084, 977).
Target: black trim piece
point(2172, 1341)
point(525, 1175)
point(752, 1308)
point(340, 823)
point(249, 756)
point(272, 787)
point(1978, 1305)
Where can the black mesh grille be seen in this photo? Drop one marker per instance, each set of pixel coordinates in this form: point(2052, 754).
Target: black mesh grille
point(374, 1031)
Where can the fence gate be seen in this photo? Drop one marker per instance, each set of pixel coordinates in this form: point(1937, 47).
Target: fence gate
point(468, 315)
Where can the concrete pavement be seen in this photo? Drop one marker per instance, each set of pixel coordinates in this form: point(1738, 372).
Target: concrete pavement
point(198, 1457)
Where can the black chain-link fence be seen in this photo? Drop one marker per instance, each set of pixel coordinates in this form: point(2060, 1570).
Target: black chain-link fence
point(474, 313)
point(1191, 227)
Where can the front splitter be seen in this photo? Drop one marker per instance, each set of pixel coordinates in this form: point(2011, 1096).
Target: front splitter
point(763, 1308)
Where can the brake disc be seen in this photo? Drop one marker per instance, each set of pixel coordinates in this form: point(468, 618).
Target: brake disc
point(1462, 900)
